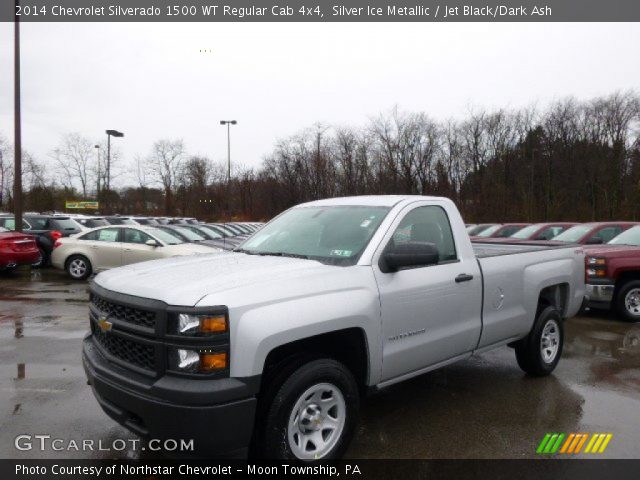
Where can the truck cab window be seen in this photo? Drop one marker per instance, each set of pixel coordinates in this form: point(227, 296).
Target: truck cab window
point(428, 225)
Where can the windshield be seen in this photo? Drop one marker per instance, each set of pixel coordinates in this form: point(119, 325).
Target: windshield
point(189, 234)
point(630, 237)
point(165, 237)
point(208, 231)
point(121, 221)
point(331, 235)
point(573, 234)
point(489, 231)
point(526, 232)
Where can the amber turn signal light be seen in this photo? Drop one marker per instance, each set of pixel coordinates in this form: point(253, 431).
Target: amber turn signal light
point(210, 362)
point(215, 324)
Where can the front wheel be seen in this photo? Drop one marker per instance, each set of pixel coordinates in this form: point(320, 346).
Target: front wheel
point(539, 352)
point(628, 301)
point(313, 413)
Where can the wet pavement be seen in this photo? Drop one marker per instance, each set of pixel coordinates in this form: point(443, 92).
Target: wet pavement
point(483, 407)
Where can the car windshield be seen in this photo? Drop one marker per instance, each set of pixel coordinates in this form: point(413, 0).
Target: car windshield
point(95, 222)
point(629, 237)
point(121, 221)
point(190, 234)
point(208, 230)
point(526, 232)
point(573, 234)
point(334, 235)
point(489, 231)
point(165, 237)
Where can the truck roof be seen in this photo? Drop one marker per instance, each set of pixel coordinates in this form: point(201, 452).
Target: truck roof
point(368, 200)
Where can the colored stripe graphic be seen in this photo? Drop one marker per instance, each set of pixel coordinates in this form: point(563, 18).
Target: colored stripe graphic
point(573, 443)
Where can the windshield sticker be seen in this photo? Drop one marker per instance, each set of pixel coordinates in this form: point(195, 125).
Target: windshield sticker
point(341, 253)
point(366, 223)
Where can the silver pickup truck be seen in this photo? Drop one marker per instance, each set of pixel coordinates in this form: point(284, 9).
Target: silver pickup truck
point(269, 349)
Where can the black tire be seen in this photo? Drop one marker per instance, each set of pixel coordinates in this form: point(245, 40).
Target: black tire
point(282, 397)
point(530, 354)
point(43, 259)
point(72, 267)
point(621, 298)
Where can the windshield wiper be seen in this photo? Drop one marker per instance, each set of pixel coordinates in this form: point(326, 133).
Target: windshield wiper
point(284, 254)
point(244, 250)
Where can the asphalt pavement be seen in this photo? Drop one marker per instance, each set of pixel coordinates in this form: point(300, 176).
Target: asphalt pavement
point(484, 407)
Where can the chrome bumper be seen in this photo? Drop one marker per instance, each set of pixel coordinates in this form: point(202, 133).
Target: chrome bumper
point(600, 293)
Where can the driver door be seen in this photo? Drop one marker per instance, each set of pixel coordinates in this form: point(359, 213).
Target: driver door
point(429, 313)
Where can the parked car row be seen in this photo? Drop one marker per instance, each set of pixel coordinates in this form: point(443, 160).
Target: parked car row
point(593, 233)
point(83, 244)
point(612, 249)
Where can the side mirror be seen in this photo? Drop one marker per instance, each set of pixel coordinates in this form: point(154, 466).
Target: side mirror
point(412, 254)
point(152, 243)
point(595, 241)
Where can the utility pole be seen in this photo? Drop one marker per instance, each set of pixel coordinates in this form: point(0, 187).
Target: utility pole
point(228, 123)
point(97, 147)
point(17, 122)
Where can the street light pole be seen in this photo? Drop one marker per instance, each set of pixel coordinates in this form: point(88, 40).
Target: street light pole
point(17, 158)
point(110, 133)
point(97, 147)
point(228, 123)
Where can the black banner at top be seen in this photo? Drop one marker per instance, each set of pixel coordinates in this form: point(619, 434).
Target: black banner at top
point(320, 11)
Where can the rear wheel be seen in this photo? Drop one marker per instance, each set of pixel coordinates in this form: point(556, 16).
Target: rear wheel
point(627, 301)
point(539, 352)
point(312, 414)
point(78, 267)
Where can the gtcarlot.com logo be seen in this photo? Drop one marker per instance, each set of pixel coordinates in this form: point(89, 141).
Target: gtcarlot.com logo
point(574, 443)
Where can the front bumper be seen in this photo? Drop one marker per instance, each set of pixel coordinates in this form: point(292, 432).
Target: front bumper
point(600, 294)
point(217, 414)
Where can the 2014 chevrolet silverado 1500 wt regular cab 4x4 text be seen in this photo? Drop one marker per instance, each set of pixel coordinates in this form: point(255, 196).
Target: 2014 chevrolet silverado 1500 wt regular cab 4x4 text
point(272, 346)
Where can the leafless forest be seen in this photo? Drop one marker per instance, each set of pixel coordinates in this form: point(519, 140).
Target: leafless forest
point(570, 160)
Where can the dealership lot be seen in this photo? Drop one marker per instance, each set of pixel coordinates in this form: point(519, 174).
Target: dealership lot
point(481, 408)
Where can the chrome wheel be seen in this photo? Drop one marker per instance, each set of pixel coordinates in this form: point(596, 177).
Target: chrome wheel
point(316, 421)
point(77, 268)
point(550, 341)
point(632, 302)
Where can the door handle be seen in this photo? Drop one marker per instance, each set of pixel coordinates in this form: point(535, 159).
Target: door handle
point(464, 277)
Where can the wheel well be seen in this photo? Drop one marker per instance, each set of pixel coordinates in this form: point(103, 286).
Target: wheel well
point(348, 346)
point(623, 278)
point(555, 296)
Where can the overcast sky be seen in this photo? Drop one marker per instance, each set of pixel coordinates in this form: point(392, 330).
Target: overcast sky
point(151, 81)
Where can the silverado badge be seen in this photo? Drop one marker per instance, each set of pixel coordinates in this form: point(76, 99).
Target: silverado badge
point(104, 324)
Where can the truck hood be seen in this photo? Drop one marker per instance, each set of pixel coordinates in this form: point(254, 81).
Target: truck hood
point(186, 280)
point(618, 251)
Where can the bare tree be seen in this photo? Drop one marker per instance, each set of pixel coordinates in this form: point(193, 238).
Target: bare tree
point(164, 165)
point(75, 158)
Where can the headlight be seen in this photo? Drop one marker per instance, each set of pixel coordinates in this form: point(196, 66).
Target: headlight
point(197, 361)
point(188, 324)
point(596, 261)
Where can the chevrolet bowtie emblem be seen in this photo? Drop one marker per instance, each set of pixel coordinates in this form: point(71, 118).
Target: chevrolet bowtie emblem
point(104, 324)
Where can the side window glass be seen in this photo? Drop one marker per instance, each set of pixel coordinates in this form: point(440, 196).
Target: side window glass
point(135, 236)
point(608, 233)
point(90, 236)
point(108, 235)
point(428, 225)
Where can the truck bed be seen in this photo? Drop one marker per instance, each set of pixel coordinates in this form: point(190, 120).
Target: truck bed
point(484, 250)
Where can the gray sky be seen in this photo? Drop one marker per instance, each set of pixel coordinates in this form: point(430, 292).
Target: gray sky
point(151, 81)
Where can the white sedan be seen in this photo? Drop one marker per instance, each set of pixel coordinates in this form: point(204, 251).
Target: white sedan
point(114, 246)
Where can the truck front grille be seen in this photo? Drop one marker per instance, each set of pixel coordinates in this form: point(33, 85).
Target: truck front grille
point(122, 313)
point(135, 353)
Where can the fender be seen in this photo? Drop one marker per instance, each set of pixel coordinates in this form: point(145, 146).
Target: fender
point(352, 301)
